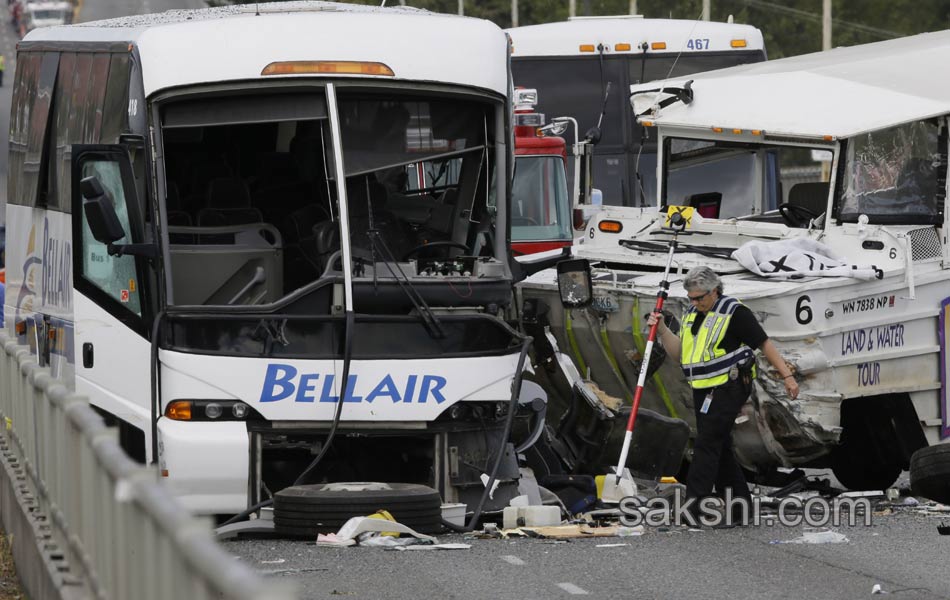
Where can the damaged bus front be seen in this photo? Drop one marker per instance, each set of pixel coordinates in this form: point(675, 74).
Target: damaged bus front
point(290, 232)
point(843, 260)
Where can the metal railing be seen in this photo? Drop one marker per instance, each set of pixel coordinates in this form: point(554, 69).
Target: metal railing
point(123, 533)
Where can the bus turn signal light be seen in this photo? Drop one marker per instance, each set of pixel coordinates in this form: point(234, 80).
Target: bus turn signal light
point(179, 410)
point(610, 226)
point(341, 67)
point(737, 43)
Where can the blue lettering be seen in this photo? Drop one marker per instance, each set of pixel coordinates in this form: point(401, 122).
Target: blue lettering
point(278, 377)
point(281, 382)
point(384, 388)
point(869, 374)
point(328, 389)
point(410, 388)
point(348, 392)
point(432, 383)
point(307, 385)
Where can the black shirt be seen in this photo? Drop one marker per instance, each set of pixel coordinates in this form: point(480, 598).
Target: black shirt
point(743, 328)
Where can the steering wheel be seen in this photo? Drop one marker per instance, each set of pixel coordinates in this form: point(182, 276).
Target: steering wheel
point(522, 221)
point(440, 244)
point(796, 215)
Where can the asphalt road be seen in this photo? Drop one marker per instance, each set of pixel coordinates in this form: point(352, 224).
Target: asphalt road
point(901, 552)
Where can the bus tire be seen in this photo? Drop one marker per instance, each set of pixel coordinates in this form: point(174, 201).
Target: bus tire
point(323, 508)
point(930, 473)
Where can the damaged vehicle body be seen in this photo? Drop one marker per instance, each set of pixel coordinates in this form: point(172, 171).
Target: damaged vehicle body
point(846, 271)
point(278, 246)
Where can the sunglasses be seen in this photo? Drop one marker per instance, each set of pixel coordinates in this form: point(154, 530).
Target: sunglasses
point(698, 298)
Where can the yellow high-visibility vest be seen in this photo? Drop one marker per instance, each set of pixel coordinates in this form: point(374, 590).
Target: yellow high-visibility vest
point(705, 364)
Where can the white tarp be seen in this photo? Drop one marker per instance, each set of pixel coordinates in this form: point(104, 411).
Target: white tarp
point(799, 258)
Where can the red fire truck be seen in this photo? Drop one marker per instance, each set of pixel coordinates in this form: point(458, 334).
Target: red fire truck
point(541, 205)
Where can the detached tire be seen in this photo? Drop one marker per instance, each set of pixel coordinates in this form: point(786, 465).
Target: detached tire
point(930, 473)
point(306, 510)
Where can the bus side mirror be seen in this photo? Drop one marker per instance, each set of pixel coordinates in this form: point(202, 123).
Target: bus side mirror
point(104, 222)
point(99, 211)
point(574, 283)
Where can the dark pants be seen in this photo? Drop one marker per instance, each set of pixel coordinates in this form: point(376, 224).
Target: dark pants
point(714, 464)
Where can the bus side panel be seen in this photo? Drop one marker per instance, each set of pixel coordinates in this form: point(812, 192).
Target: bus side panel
point(39, 283)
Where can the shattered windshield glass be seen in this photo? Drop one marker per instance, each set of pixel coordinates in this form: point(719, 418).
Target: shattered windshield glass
point(891, 175)
point(417, 172)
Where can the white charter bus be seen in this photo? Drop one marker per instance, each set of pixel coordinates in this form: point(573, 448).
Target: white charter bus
point(572, 63)
point(211, 227)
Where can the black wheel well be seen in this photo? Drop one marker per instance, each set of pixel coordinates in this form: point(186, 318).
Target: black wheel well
point(889, 421)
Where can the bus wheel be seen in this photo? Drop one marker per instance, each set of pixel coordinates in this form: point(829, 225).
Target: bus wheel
point(930, 472)
point(306, 510)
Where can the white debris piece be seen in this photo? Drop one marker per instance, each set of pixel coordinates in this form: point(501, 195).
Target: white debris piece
point(817, 537)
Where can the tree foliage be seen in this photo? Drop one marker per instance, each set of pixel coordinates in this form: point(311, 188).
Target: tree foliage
point(790, 27)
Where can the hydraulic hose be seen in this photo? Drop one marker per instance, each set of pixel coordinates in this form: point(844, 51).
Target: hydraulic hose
point(509, 421)
point(347, 358)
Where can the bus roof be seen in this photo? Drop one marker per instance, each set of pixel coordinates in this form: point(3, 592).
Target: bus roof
point(184, 47)
point(565, 38)
point(840, 93)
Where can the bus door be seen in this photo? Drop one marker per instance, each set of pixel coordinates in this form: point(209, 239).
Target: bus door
point(112, 338)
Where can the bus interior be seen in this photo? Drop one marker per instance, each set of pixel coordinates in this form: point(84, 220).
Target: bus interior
point(251, 196)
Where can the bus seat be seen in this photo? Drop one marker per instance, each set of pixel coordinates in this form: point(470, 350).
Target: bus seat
point(811, 195)
point(228, 203)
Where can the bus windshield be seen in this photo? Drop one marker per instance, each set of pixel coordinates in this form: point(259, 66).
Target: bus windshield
point(252, 196)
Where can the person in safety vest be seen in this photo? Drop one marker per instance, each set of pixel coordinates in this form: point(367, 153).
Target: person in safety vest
point(715, 348)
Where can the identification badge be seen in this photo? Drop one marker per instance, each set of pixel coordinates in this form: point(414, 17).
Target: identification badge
point(706, 403)
point(734, 373)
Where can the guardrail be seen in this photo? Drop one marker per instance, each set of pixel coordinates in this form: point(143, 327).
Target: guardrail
point(88, 521)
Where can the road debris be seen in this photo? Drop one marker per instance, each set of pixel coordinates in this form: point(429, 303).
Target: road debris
point(816, 537)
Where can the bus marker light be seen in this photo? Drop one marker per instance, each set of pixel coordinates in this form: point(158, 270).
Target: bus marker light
point(610, 226)
point(587, 48)
point(622, 47)
point(658, 46)
point(737, 43)
point(343, 67)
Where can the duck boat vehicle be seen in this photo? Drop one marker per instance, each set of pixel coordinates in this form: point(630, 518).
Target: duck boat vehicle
point(847, 272)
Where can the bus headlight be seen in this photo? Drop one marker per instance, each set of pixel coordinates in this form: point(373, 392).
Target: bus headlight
point(210, 410)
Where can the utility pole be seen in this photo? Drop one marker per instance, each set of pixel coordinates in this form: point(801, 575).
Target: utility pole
point(461, 8)
point(572, 8)
point(826, 25)
point(633, 7)
point(706, 9)
point(514, 13)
